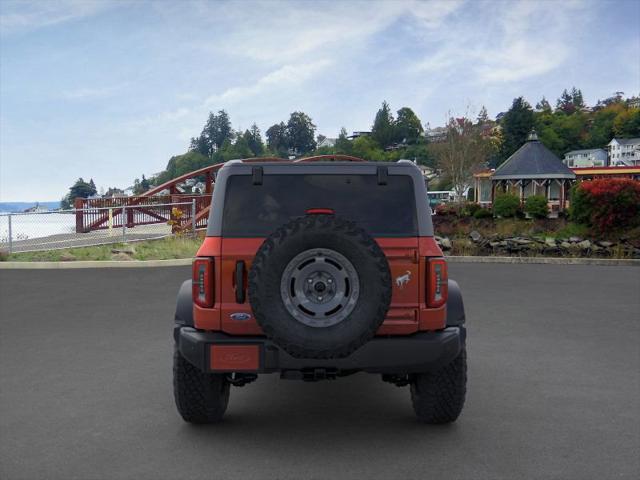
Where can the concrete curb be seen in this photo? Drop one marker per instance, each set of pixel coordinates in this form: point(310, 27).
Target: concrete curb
point(547, 260)
point(180, 262)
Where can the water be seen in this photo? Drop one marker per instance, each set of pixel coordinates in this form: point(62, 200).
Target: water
point(29, 226)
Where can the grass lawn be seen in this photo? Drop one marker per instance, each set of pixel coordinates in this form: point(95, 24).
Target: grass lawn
point(162, 249)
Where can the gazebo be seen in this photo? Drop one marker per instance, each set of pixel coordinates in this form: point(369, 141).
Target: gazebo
point(532, 170)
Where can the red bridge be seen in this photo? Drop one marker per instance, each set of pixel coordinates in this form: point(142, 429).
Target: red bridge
point(156, 207)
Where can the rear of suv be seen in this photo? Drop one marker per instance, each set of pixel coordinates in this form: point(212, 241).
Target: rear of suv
point(318, 270)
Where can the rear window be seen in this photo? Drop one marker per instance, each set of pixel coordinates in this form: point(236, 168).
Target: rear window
point(257, 210)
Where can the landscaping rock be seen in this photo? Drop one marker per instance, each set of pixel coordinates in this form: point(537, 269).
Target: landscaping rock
point(566, 245)
point(475, 236)
point(67, 257)
point(550, 241)
point(586, 244)
point(575, 239)
point(446, 244)
point(605, 244)
point(521, 241)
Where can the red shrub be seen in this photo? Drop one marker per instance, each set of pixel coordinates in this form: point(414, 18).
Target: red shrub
point(607, 204)
point(447, 209)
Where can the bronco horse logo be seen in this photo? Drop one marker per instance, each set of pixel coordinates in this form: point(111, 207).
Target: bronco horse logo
point(402, 280)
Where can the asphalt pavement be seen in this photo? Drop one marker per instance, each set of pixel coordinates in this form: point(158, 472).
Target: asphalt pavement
point(553, 392)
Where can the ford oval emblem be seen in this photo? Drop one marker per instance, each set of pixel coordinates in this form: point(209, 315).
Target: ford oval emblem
point(240, 316)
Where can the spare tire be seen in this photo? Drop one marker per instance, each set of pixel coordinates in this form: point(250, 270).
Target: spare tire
point(320, 286)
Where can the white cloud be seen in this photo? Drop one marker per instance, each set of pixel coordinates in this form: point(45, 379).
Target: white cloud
point(526, 40)
point(21, 16)
point(285, 77)
point(282, 32)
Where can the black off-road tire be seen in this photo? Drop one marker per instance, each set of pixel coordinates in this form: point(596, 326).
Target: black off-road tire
point(200, 397)
point(320, 232)
point(438, 397)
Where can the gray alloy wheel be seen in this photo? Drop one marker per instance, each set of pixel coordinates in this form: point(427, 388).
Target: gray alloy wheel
point(320, 287)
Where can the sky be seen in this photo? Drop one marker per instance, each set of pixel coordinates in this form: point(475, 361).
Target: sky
point(110, 90)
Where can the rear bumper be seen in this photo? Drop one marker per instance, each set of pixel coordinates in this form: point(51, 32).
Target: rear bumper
point(419, 352)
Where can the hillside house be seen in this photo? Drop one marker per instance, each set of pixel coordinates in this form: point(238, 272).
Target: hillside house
point(593, 157)
point(624, 152)
point(327, 142)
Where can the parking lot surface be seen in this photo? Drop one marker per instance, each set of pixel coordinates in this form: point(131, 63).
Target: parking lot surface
point(553, 392)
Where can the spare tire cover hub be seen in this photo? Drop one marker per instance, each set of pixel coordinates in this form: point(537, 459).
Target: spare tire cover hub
point(320, 287)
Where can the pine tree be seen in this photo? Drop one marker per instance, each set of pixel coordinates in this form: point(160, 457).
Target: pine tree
point(382, 130)
point(576, 99)
point(517, 123)
point(254, 140)
point(483, 116)
point(343, 144)
point(565, 103)
point(543, 106)
point(216, 131)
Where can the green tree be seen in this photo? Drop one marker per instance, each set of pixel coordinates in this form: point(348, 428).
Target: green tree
point(237, 150)
point(180, 164)
point(367, 148)
point(483, 116)
point(200, 145)
point(254, 140)
point(301, 133)
point(80, 189)
point(627, 124)
point(565, 103)
point(144, 183)
point(544, 106)
point(343, 144)
point(601, 131)
point(577, 99)
point(216, 131)
point(277, 139)
point(408, 126)
point(383, 130)
point(517, 123)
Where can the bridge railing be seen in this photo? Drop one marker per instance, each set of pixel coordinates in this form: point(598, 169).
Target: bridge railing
point(57, 229)
point(97, 213)
point(102, 213)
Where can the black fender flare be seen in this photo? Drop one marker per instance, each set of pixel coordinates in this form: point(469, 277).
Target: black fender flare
point(455, 305)
point(184, 305)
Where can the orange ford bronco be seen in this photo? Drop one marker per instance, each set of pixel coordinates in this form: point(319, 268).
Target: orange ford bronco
point(318, 270)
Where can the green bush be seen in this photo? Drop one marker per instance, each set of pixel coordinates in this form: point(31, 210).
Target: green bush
point(506, 205)
point(536, 206)
point(469, 209)
point(483, 213)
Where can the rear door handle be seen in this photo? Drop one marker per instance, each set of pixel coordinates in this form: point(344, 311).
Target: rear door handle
point(240, 281)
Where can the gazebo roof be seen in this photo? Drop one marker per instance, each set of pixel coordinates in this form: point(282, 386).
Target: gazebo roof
point(532, 160)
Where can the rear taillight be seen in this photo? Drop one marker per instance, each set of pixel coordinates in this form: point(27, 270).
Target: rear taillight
point(203, 283)
point(437, 282)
